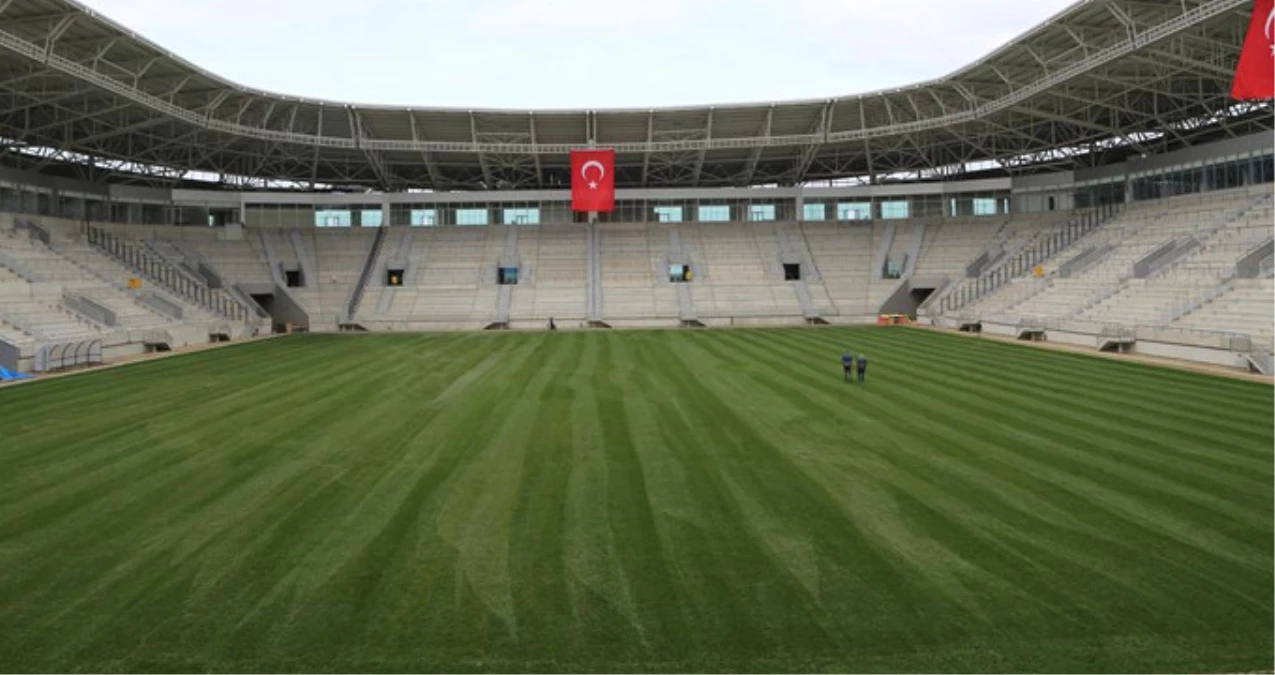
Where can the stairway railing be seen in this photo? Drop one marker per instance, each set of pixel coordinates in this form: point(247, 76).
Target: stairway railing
point(373, 254)
point(1026, 260)
point(167, 275)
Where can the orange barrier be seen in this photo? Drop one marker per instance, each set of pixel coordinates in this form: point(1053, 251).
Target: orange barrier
point(894, 320)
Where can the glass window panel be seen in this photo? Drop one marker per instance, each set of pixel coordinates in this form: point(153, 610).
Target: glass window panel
point(471, 216)
point(529, 216)
point(891, 210)
point(332, 218)
point(761, 212)
point(713, 213)
point(669, 214)
point(854, 211)
point(423, 218)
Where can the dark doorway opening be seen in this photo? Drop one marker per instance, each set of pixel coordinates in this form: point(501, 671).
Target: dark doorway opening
point(792, 272)
point(680, 274)
point(507, 276)
point(394, 277)
point(920, 295)
point(293, 278)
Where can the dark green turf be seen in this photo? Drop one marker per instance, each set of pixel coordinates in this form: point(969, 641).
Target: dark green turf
point(643, 501)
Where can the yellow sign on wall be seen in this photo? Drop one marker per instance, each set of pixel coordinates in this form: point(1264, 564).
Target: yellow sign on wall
point(134, 283)
point(1038, 271)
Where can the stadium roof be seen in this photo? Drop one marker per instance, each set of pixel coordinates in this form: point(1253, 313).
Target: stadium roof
point(83, 95)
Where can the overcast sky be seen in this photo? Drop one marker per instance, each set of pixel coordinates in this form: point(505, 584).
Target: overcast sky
point(577, 53)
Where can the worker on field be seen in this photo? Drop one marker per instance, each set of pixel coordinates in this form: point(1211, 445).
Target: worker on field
point(552, 325)
point(847, 364)
point(863, 366)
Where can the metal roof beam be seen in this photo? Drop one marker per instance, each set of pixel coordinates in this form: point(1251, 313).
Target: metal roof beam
point(141, 72)
point(482, 158)
point(1153, 54)
point(58, 31)
point(36, 131)
point(265, 118)
point(650, 138)
point(811, 150)
point(120, 131)
point(425, 156)
point(755, 156)
point(531, 127)
point(375, 160)
point(703, 151)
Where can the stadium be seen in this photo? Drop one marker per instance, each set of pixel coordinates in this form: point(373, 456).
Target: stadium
point(281, 393)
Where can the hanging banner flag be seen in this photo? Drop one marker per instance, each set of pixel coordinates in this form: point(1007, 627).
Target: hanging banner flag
point(1255, 75)
point(593, 180)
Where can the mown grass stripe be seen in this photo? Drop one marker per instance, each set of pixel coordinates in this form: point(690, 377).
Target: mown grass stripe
point(636, 501)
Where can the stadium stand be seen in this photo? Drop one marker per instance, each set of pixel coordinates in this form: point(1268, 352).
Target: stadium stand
point(635, 279)
point(449, 281)
point(64, 291)
point(556, 282)
point(338, 257)
point(1108, 277)
point(1240, 306)
point(1166, 264)
point(843, 254)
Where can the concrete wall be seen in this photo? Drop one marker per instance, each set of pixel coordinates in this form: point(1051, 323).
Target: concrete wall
point(1213, 356)
point(284, 309)
point(1000, 329)
point(10, 356)
point(1070, 338)
point(1195, 346)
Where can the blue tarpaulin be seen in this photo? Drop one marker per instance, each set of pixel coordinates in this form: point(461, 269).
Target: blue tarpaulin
point(7, 375)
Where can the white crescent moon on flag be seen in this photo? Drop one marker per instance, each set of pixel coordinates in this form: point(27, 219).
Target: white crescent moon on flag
point(584, 170)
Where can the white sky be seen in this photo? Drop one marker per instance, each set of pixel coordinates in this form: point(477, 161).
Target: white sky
point(577, 53)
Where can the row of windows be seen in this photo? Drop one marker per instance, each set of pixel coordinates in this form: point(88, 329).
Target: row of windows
point(425, 217)
point(1237, 173)
point(844, 211)
point(345, 218)
point(1218, 176)
point(706, 213)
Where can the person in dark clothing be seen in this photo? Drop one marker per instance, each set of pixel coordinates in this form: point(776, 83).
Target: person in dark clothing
point(863, 366)
point(552, 326)
point(847, 364)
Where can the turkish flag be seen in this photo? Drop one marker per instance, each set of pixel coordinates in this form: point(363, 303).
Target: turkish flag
point(1255, 76)
point(593, 180)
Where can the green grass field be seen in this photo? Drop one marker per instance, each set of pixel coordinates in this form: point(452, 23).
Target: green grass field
point(636, 501)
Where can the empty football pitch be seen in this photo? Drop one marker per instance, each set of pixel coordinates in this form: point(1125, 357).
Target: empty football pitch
point(636, 501)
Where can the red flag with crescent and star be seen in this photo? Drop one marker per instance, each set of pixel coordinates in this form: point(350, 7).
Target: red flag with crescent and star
point(593, 180)
point(1255, 75)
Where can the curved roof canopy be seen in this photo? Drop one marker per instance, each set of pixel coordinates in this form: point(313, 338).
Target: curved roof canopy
point(1103, 78)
